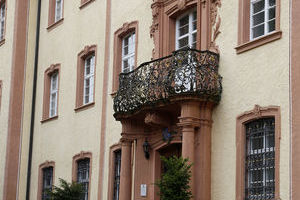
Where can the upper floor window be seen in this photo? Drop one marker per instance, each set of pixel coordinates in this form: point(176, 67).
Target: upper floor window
point(117, 174)
point(186, 30)
point(83, 174)
point(58, 9)
point(259, 23)
point(86, 66)
point(88, 91)
point(51, 92)
point(262, 17)
point(2, 19)
point(47, 182)
point(53, 95)
point(128, 53)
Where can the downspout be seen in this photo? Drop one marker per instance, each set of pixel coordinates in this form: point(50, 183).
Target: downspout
point(36, 59)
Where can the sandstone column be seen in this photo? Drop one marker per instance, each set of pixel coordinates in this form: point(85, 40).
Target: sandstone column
point(125, 179)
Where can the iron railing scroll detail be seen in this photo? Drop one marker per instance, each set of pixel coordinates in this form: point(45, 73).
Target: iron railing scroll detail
point(186, 72)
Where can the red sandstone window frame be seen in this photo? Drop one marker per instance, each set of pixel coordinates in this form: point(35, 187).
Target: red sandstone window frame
point(54, 68)
point(119, 34)
point(84, 3)
point(2, 41)
point(52, 23)
point(244, 41)
point(80, 156)
point(82, 55)
point(40, 176)
point(111, 173)
point(241, 121)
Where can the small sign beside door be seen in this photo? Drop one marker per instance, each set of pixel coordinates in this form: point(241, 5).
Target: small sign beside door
point(143, 190)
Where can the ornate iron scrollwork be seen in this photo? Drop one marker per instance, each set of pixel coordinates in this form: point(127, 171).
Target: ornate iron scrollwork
point(186, 72)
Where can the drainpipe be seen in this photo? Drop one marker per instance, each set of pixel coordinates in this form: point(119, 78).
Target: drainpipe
point(36, 59)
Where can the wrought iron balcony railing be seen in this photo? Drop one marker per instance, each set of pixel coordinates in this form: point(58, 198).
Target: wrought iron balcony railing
point(186, 72)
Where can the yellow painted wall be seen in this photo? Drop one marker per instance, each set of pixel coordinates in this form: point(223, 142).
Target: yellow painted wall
point(5, 76)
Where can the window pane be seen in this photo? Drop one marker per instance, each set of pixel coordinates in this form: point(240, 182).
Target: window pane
point(258, 18)
point(272, 2)
point(184, 42)
point(258, 6)
point(126, 50)
point(258, 31)
point(184, 21)
point(125, 66)
point(272, 12)
point(271, 25)
point(183, 30)
point(194, 41)
point(117, 171)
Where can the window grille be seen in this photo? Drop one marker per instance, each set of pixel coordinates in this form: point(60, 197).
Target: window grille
point(263, 15)
point(128, 53)
point(47, 182)
point(260, 159)
point(89, 68)
point(117, 174)
point(83, 173)
point(2, 20)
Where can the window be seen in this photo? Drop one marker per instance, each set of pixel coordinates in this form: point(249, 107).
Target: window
point(55, 15)
point(128, 53)
point(125, 51)
point(257, 154)
point(262, 17)
point(2, 20)
point(186, 31)
point(86, 66)
point(53, 95)
point(88, 91)
point(260, 159)
point(47, 182)
point(83, 167)
point(58, 9)
point(259, 23)
point(51, 92)
point(82, 171)
point(117, 174)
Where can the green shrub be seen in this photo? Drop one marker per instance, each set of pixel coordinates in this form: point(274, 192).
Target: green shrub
point(67, 191)
point(174, 183)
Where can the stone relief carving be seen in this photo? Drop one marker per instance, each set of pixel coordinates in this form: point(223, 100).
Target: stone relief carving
point(215, 24)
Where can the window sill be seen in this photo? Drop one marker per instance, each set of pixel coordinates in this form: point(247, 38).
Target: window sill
point(258, 42)
point(84, 107)
point(2, 42)
point(55, 24)
point(49, 119)
point(85, 4)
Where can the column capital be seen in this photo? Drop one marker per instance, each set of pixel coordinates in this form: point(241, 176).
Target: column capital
point(191, 122)
point(126, 141)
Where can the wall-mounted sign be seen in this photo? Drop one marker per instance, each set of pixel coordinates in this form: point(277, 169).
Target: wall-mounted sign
point(143, 190)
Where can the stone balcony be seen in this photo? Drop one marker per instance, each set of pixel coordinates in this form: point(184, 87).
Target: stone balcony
point(185, 74)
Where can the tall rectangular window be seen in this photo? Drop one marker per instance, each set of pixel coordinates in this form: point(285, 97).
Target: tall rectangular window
point(47, 182)
point(2, 20)
point(89, 68)
point(262, 17)
point(58, 9)
point(260, 159)
point(83, 175)
point(186, 30)
point(117, 174)
point(128, 53)
point(53, 95)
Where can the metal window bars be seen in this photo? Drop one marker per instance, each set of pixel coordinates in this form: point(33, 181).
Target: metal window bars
point(83, 172)
point(260, 160)
point(47, 182)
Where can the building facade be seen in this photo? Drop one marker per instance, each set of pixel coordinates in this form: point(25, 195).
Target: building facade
point(97, 91)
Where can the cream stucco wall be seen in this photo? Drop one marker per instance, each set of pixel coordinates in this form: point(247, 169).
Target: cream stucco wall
point(259, 76)
point(59, 140)
point(5, 76)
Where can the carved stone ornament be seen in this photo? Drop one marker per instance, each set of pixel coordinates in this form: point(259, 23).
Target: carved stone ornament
point(181, 4)
point(125, 27)
point(257, 111)
point(215, 24)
